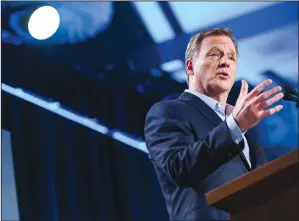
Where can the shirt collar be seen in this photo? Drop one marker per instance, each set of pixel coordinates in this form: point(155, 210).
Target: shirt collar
point(208, 100)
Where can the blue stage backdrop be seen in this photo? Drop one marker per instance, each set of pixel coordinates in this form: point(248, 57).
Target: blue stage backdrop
point(75, 103)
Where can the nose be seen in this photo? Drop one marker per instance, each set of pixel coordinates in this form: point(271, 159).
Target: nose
point(224, 62)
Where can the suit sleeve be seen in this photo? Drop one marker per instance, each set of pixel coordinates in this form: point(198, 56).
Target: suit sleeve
point(173, 148)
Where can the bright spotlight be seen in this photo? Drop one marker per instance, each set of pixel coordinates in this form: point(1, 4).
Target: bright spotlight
point(43, 22)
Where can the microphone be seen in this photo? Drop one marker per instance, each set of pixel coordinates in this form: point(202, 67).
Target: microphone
point(291, 95)
point(291, 91)
point(288, 97)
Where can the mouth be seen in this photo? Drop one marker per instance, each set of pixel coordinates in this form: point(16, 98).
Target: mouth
point(223, 74)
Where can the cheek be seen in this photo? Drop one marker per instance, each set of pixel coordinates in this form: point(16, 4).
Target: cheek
point(210, 68)
point(206, 70)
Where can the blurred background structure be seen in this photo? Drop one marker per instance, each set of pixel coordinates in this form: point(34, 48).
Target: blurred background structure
point(73, 105)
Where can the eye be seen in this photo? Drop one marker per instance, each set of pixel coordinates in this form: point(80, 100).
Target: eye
point(214, 54)
point(232, 58)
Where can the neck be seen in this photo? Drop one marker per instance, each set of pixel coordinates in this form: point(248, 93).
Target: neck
point(219, 98)
point(216, 95)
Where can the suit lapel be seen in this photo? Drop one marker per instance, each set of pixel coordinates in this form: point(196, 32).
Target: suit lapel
point(201, 106)
point(244, 159)
point(210, 114)
point(257, 155)
point(251, 150)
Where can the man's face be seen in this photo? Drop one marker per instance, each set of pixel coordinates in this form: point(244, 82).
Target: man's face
point(213, 67)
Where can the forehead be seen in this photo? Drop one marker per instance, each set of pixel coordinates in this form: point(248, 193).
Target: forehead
point(218, 41)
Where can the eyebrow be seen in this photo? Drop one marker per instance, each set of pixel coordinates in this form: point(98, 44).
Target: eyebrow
point(217, 48)
point(232, 52)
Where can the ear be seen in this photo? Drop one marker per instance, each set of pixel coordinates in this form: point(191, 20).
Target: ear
point(189, 67)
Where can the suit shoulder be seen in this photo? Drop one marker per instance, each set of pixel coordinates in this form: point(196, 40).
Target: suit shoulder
point(166, 105)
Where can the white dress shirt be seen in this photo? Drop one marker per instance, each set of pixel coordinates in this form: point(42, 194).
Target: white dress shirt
point(235, 131)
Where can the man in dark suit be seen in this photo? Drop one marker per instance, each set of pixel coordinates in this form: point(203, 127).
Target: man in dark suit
point(198, 142)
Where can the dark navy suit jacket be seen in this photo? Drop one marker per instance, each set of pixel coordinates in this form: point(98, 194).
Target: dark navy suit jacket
point(193, 153)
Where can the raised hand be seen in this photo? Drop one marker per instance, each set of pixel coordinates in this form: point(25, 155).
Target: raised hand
point(250, 107)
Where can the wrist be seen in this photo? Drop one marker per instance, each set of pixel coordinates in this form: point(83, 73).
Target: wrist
point(242, 128)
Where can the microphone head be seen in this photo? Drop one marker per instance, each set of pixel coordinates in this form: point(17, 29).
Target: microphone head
point(289, 90)
point(287, 96)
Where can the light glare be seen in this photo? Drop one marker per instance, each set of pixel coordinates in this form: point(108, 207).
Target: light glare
point(43, 22)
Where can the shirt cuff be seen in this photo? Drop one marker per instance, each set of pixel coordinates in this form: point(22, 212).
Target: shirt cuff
point(234, 129)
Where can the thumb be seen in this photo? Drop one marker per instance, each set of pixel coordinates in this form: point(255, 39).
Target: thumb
point(244, 90)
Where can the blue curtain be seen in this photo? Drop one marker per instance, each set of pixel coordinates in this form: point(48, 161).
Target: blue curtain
point(65, 171)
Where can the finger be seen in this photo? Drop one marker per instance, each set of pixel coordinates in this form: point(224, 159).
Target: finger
point(270, 101)
point(244, 90)
point(258, 89)
point(272, 111)
point(263, 96)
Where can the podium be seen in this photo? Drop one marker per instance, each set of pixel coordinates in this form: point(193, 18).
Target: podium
point(270, 192)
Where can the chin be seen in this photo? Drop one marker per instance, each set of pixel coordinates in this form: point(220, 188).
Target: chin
point(221, 86)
